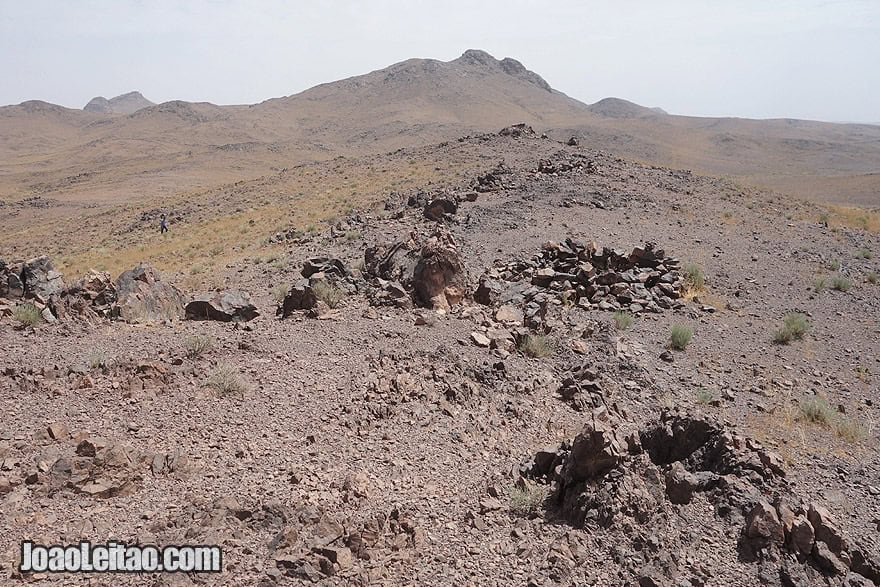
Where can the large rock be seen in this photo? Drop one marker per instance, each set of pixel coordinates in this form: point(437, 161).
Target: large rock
point(225, 306)
point(439, 208)
point(144, 297)
point(826, 528)
point(440, 277)
point(39, 278)
point(326, 265)
point(595, 451)
point(764, 525)
point(300, 297)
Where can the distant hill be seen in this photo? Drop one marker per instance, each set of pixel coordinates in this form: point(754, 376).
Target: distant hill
point(128, 144)
point(617, 108)
point(124, 104)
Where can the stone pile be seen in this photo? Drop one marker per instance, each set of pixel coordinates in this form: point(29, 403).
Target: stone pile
point(493, 181)
point(517, 130)
point(91, 298)
point(566, 164)
point(645, 280)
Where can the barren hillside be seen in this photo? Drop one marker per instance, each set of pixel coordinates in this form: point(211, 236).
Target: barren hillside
point(527, 363)
point(177, 147)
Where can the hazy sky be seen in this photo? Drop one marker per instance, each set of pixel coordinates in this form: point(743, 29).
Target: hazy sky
point(756, 58)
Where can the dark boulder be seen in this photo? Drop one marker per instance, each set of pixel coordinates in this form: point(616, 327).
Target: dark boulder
point(440, 209)
point(142, 296)
point(225, 306)
point(326, 265)
point(39, 278)
point(300, 297)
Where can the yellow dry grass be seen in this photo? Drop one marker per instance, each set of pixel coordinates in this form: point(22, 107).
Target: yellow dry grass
point(852, 217)
point(228, 223)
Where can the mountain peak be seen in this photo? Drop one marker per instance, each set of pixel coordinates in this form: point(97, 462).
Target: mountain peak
point(483, 60)
point(123, 104)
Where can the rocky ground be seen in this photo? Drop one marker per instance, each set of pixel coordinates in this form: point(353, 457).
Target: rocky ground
point(446, 395)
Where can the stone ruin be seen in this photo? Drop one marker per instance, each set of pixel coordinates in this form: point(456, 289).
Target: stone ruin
point(644, 280)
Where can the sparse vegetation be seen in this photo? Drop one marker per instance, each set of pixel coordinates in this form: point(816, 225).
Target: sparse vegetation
point(623, 320)
point(704, 396)
point(872, 278)
point(794, 327)
point(834, 265)
point(328, 293)
point(694, 277)
point(820, 284)
point(527, 501)
point(226, 380)
point(198, 345)
point(536, 346)
point(680, 336)
point(27, 314)
point(865, 254)
point(863, 374)
point(97, 359)
point(817, 410)
point(352, 235)
point(279, 292)
point(840, 283)
point(850, 429)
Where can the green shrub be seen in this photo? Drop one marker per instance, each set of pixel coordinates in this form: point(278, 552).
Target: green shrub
point(841, 283)
point(198, 345)
point(850, 429)
point(97, 359)
point(794, 327)
point(834, 265)
point(694, 276)
point(865, 254)
point(872, 278)
point(328, 293)
point(820, 284)
point(680, 336)
point(27, 314)
point(352, 235)
point(226, 380)
point(817, 410)
point(527, 501)
point(704, 396)
point(623, 320)
point(536, 346)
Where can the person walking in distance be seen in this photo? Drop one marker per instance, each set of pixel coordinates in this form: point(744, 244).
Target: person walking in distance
point(163, 224)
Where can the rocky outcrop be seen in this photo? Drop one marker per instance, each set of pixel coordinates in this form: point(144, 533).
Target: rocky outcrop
point(124, 104)
point(224, 306)
point(604, 480)
point(143, 297)
point(35, 278)
point(440, 277)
